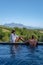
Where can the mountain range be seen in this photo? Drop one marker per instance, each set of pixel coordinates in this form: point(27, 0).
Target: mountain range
point(12, 25)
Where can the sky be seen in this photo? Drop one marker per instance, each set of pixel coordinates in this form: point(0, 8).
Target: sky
point(27, 12)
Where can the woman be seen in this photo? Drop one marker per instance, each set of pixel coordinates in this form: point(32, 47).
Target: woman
point(15, 38)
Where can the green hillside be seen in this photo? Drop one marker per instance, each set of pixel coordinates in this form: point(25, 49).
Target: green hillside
point(25, 33)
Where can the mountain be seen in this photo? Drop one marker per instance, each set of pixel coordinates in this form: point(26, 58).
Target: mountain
point(20, 26)
point(14, 25)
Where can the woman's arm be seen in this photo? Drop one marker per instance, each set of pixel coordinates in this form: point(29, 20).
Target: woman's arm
point(17, 39)
point(21, 39)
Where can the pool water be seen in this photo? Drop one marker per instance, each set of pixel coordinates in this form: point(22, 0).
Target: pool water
point(21, 55)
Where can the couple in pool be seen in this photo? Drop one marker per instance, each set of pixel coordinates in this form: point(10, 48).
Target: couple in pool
point(15, 38)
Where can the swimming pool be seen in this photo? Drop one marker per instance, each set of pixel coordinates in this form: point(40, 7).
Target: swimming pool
point(21, 55)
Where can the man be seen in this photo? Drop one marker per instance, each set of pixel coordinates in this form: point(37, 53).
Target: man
point(15, 38)
point(33, 41)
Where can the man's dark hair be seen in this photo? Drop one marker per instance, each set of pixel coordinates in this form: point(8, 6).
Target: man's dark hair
point(13, 31)
point(32, 36)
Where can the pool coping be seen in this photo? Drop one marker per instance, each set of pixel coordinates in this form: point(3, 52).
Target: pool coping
point(18, 43)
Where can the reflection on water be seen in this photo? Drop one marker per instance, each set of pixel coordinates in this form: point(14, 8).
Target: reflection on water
point(21, 55)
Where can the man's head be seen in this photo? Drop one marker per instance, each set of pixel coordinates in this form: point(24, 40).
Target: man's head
point(32, 36)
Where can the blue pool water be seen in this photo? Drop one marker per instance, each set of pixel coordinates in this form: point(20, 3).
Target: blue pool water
point(21, 55)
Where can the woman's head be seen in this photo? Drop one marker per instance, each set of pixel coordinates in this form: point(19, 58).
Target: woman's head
point(13, 31)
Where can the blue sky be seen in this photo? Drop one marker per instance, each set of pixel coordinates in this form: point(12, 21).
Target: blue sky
point(27, 12)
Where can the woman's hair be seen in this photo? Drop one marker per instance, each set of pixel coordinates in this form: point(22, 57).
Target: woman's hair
point(12, 31)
